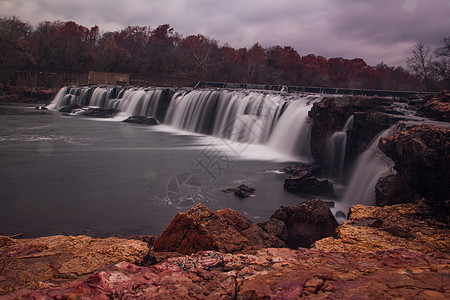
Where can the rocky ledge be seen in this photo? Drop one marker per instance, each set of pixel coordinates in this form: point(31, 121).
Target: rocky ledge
point(395, 251)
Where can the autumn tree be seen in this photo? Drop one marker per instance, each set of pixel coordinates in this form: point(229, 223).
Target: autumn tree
point(15, 49)
point(199, 56)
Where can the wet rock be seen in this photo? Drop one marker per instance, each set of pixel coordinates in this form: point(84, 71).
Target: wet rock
point(267, 274)
point(437, 107)
point(408, 226)
point(202, 229)
point(304, 182)
point(41, 107)
point(69, 108)
point(241, 191)
point(422, 155)
point(40, 262)
point(97, 112)
point(330, 114)
point(141, 120)
point(296, 169)
point(302, 225)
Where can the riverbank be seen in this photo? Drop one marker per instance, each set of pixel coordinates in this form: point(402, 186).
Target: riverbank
point(399, 250)
point(393, 251)
point(27, 95)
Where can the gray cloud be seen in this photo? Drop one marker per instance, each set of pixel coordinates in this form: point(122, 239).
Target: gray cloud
point(382, 30)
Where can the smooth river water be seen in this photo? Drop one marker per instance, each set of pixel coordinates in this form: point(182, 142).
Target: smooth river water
point(77, 175)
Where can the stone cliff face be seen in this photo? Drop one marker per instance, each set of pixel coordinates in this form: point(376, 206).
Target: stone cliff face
point(422, 158)
point(371, 116)
point(437, 107)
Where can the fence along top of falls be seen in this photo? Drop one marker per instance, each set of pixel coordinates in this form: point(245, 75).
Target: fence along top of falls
point(276, 119)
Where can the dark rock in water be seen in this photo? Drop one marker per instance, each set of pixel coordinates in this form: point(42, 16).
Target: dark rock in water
point(422, 158)
point(304, 182)
point(299, 168)
point(97, 112)
point(438, 107)
point(41, 107)
point(141, 120)
point(241, 191)
point(201, 229)
point(69, 108)
point(340, 215)
point(302, 225)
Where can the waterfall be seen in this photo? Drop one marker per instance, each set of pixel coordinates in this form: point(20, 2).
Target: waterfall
point(292, 134)
point(278, 120)
point(337, 145)
point(370, 166)
point(247, 117)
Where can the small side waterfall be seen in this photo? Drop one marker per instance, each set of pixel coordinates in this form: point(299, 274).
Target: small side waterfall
point(337, 145)
point(370, 166)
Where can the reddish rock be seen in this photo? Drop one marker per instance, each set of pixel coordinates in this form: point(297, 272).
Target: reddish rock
point(422, 157)
point(407, 226)
point(202, 229)
point(302, 225)
point(267, 274)
point(40, 262)
point(437, 107)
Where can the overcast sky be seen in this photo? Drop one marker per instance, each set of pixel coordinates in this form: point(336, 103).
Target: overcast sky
point(375, 30)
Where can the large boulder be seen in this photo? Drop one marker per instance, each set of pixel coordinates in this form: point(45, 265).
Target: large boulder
point(422, 157)
point(202, 229)
point(40, 262)
point(302, 225)
point(437, 107)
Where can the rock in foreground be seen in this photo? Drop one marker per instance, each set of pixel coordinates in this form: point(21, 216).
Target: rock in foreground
point(40, 262)
point(202, 229)
point(403, 226)
point(302, 225)
point(268, 274)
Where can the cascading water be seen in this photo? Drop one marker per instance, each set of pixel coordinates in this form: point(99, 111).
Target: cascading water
point(337, 150)
point(246, 117)
point(274, 119)
point(371, 165)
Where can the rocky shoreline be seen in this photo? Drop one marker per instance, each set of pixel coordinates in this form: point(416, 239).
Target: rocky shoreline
point(399, 249)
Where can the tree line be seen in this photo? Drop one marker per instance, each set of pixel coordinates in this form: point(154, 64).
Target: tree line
point(163, 52)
